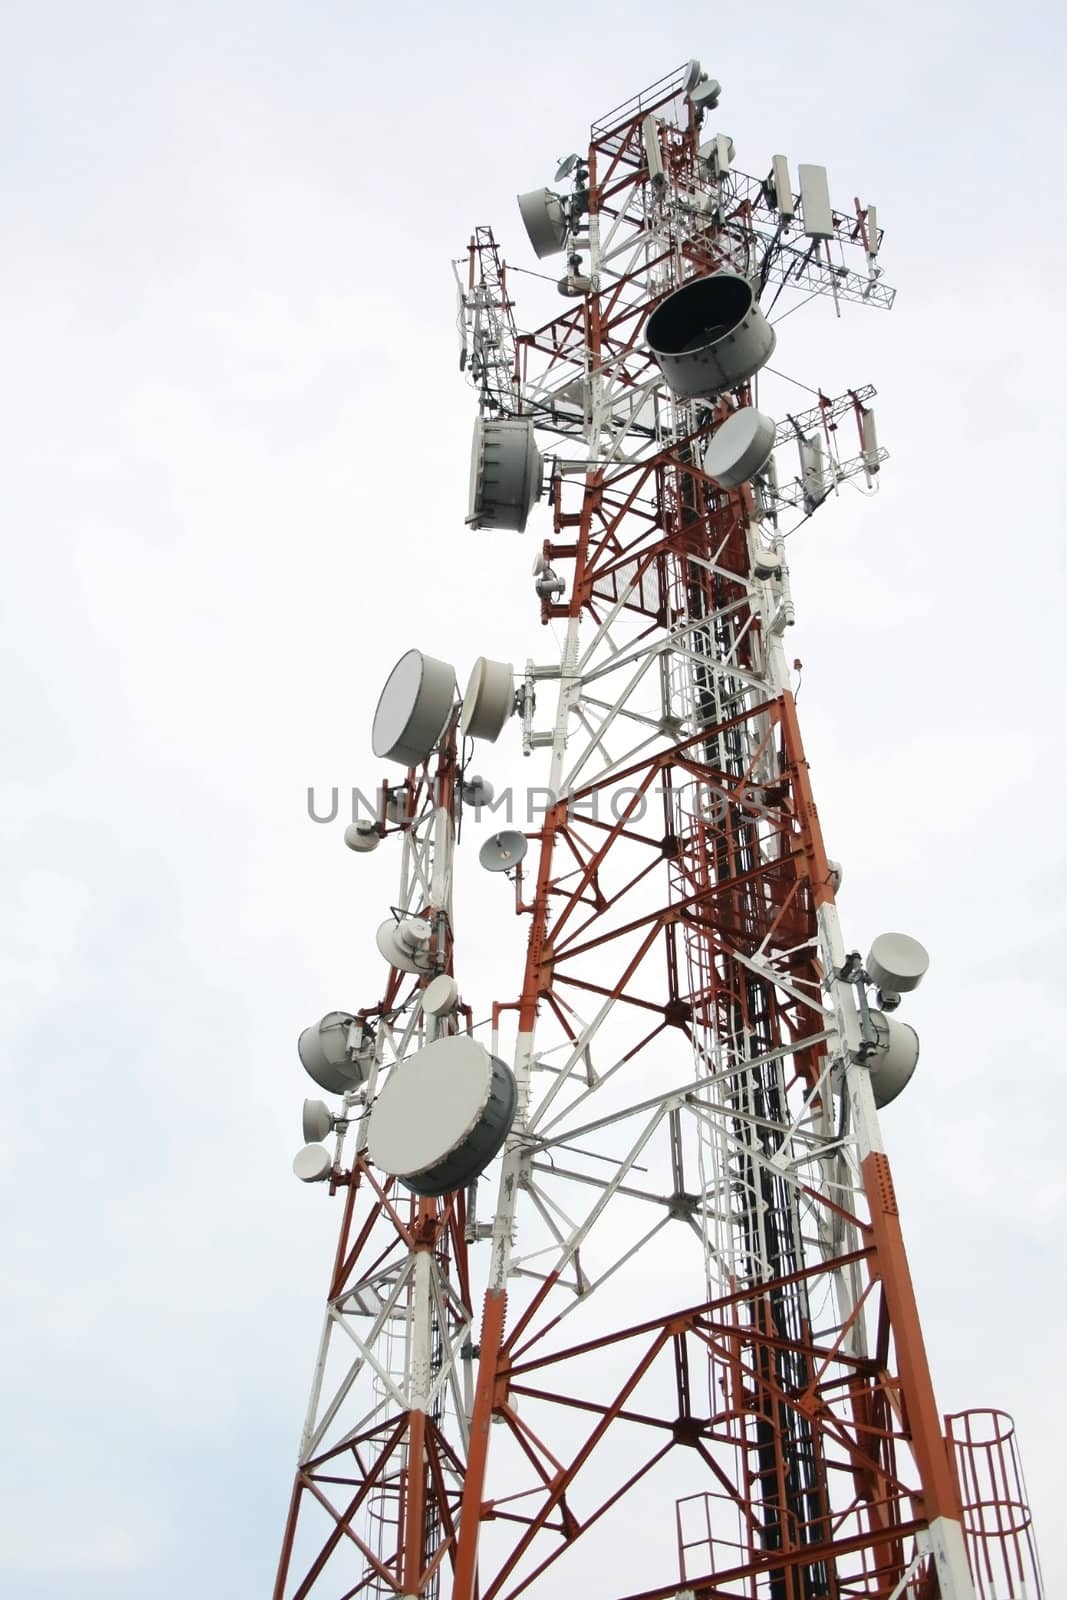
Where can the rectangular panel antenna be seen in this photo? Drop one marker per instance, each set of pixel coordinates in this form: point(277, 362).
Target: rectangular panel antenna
point(726, 151)
point(815, 202)
point(718, 153)
point(813, 475)
point(869, 438)
point(872, 231)
point(783, 188)
point(650, 135)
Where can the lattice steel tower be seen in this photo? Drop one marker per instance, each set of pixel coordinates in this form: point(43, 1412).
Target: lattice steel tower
point(666, 1344)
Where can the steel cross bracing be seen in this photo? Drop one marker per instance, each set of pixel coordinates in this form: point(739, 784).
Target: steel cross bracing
point(698, 1291)
point(383, 1449)
point(644, 239)
point(698, 1369)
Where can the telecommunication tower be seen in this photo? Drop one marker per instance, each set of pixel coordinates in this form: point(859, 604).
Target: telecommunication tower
point(620, 1303)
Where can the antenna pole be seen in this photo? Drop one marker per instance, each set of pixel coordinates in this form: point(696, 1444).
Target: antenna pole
point(374, 1454)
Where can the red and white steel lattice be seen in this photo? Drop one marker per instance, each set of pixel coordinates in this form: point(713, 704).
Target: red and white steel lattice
point(697, 1366)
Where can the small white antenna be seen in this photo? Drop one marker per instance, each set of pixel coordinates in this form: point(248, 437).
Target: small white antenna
point(362, 836)
point(488, 701)
point(316, 1121)
point(503, 851)
point(312, 1164)
point(739, 447)
point(328, 1056)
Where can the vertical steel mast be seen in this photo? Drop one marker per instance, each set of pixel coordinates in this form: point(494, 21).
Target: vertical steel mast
point(700, 1368)
point(380, 1461)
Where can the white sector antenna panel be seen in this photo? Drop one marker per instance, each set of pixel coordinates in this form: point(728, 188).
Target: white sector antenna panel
point(783, 187)
point(653, 153)
point(814, 477)
point(815, 209)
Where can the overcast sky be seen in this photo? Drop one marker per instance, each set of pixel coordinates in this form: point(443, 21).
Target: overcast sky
point(234, 479)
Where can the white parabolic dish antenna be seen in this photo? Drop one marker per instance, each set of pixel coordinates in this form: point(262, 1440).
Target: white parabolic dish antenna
point(406, 944)
point(362, 836)
point(440, 996)
point(317, 1121)
point(709, 335)
point(896, 1056)
point(476, 790)
point(897, 962)
point(543, 219)
point(413, 709)
point(325, 1055)
point(739, 448)
point(503, 851)
point(506, 472)
point(488, 701)
point(312, 1164)
point(442, 1116)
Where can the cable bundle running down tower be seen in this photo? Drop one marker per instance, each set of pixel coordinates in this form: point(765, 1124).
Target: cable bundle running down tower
point(681, 1353)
